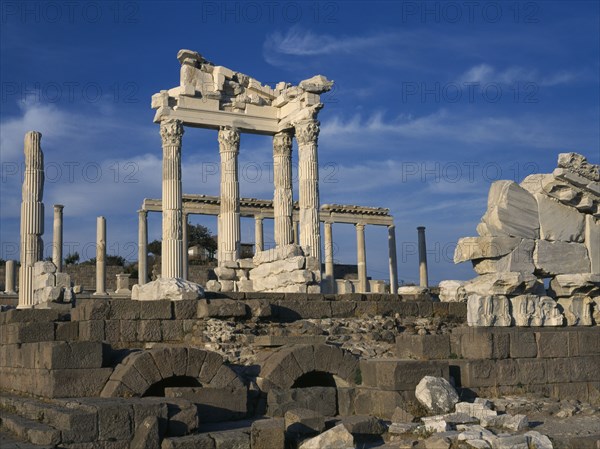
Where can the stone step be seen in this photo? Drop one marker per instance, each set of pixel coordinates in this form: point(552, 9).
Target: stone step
point(8, 441)
point(238, 439)
point(32, 431)
point(74, 424)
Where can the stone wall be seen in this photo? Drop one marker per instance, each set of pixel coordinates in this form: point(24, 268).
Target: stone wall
point(547, 227)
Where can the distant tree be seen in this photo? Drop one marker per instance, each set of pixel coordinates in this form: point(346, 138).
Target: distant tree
point(201, 236)
point(115, 261)
point(155, 247)
point(72, 258)
point(2, 262)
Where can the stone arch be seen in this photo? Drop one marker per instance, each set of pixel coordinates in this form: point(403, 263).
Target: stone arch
point(142, 369)
point(289, 363)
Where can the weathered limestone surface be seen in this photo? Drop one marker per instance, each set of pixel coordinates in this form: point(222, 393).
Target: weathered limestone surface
point(337, 437)
point(469, 248)
point(172, 288)
point(518, 260)
point(452, 291)
point(511, 211)
point(552, 258)
point(533, 310)
point(488, 310)
point(509, 283)
point(567, 285)
point(557, 221)
point(592, 242)
point(32, 217)
point(436, 394)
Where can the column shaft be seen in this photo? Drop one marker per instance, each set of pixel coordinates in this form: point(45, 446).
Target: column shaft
point(185, 247)
point(283, 196)
point(100, 256)
point(9, 284)
point(32, 216)
point(297, 232)
point(57, 242)
point(361, 256)
point(142, 247)
point(229, 234)
point(307, 132)
point(329, 269)
point(171, 132)
point(259, 244)
point(393, 261)
point(423, 278)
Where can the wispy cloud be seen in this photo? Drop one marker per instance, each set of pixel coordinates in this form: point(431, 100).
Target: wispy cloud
point(485, 73)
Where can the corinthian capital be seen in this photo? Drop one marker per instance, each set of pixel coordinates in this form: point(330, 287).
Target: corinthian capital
point(307, 131)
point(171, 132)
point(282, 143)
point(229, 139)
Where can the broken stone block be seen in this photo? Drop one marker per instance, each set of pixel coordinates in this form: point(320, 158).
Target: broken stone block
point(412, 290)
point(552, 258)
point(506, 421)
point(171, 289)
point(538, 441)
point(43, 267)
point(510, 442)
point(511, 211)
point(476, 410)
point(436, 394)
point(147, 434)
point(63, 280)
point(226, 274)
point(567, 285)
point(577, 310)
point(579, 164)
point(435, 424)
point(452, 291)
point(510, 283)
point(47, 294)
point(304, 421)
point(44, 280)
point(363, 425)
point(469, 248)
point(557, 221)
point(532, 310)
point(491, 310)
point(592, 242)
point(399, 428)
point(337, 437)
point(268, 434)
point(518, 260)
point(401, 416)
point(213, 286)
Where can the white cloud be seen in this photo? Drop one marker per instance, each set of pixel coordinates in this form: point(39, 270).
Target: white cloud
point(485, 73)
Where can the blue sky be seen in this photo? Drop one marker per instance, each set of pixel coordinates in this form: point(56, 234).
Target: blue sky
point(432, 102)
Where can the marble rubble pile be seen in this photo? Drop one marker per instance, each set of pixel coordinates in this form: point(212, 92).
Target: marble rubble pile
point(545, 228)
point(49, 285)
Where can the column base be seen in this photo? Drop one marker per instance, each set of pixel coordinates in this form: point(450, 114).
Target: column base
point(99, 294)
point(172, 289)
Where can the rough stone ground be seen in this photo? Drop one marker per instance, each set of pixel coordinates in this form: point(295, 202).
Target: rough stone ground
point(364, 337)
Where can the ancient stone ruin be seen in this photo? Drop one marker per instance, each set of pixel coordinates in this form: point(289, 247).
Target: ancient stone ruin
point(546, 228)
point(273, 354)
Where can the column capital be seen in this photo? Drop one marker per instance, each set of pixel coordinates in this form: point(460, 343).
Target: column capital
point(143, 212)
point(171, 132)
point(307, 131)
point(359, 226)
point(420, 228)
point(58, 207)
point(282, 143)
point(229, 139)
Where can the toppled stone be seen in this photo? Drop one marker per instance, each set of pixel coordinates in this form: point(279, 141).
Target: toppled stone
point(488, 311)
point(337, 437)
point(552, 258)
point(412, 290)
point(578, 164)
point(510, 442)
point(577, 310)
point(538, 441)
point(452, 291)
point(511, 211)
point(476, 410)
point(304, 421)
point(518, 260)
point(172, 289)
point(510, 283)
point(469, 248)
point(507, 421)
point(557, 221)
point(439, 441)
point(436, 394)
point(316, 85)
point(436, 424)
point(567, 285)
point(532, 310)
point(400, 428)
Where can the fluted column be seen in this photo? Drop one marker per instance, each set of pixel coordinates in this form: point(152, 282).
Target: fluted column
point(423, 278)
point(393, 261)
point(259, 243)
point(171, 132)
point(57, 242)
point(307, 133)
point(329, 272)
point(283, 197)
point(185, 246)
point(32, 216)
point(9, 276)
point(100, 256)
point(296, 232)
point(142, 247)
point(361, 256)
point(229, 234)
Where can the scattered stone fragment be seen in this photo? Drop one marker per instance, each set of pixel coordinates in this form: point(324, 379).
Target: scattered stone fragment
point(436, 394)
point(337, 437)
point(304, 421)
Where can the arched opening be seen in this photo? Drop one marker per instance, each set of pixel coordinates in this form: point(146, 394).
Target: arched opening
point(315, 379)
point(158, 389)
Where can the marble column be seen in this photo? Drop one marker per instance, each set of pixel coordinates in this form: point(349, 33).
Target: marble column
point(100, 256)
point(185, 246)
point(297, 232)
point(142, 246)
point(307, 133)
point(171, 132)
point(57, 242)
point(393, 261)
point(259, 244)
point(32, 216)
point(9, 274)
point(229, 235)
point(423, 280)
point(283, 197)
point(361, 257)
point(329, 272)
